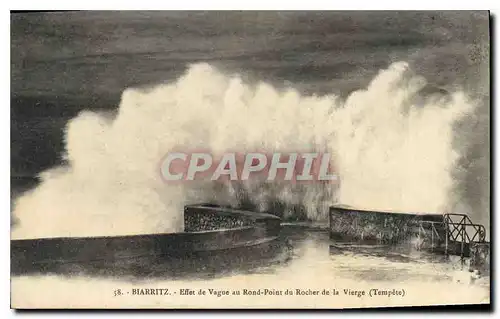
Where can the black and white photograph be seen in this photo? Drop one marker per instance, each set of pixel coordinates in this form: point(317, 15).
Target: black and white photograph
point(250, 159)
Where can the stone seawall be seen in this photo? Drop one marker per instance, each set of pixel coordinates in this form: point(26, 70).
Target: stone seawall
point(382, 228)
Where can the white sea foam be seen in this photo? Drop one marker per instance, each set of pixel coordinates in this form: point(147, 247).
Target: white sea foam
point(391, 150)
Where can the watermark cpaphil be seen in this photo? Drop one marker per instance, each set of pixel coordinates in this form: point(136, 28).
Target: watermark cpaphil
point(237, 166)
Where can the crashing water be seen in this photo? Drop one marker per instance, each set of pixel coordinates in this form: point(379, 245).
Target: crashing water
point(391, 147)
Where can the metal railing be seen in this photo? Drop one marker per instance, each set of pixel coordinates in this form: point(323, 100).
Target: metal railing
point(460, 229)
point(456, 232)
point(424, 227)
point(459, 226)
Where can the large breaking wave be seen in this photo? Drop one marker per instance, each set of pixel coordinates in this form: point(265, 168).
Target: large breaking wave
point(391, 144)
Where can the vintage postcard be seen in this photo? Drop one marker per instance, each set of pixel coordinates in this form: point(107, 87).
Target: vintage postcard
point(250, 160)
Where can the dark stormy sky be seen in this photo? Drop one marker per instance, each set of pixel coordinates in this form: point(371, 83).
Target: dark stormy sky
point(79, 54)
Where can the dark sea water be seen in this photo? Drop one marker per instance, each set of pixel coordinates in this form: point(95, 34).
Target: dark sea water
point(308, 267)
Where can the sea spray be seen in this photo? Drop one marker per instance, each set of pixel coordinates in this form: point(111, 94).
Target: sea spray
point(393, 153)
point(391, 150)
